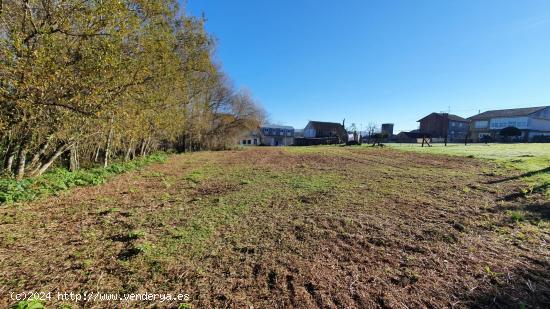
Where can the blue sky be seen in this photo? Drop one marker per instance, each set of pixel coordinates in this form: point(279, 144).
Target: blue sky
point(382, 61)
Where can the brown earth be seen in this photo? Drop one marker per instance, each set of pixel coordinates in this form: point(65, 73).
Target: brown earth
point(319, 227)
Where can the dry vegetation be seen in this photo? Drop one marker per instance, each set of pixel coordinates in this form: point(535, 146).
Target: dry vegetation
point(327, 227)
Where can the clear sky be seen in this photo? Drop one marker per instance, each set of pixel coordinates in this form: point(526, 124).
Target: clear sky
point(383, 61)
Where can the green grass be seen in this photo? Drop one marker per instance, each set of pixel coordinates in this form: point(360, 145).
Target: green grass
point(255, 188)
point(533, 160)
point(60, 179)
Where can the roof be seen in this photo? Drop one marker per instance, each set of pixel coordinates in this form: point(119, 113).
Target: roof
point(456, 118)
point(325, 126)
point(272, 126)
point(451, 117)
point(413, 134)
point(514, 112)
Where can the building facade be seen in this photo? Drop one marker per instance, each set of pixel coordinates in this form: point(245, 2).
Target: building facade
point(441, 126)
point(274, 135)
point(250, 138)
point(268, 135)
point(319, 129)
point(387, 128)
point(533, 122)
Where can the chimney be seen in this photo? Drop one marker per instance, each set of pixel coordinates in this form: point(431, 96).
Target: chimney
point(344, 123)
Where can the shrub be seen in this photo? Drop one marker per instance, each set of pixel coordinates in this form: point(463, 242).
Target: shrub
point(516, 216)
point(59, 180)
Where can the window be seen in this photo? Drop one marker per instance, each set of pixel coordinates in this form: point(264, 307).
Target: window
point(518, 122)
point(249, 142)
point(289, 133)
point(481, 124)
point(255, 141)
point(244, 142)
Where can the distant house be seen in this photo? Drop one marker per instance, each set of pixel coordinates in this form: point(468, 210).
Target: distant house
point(410, 137)
point(268, 135)
point(322, 133)
point(274, 135)
point(318, 129)
point(534, 123)
point(441, 126)
point(250, 138)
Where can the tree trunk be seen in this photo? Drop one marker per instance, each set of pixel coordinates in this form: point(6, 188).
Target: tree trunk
point(8, 158)
point(58, 151)
point(129, 150)
point(21, 161)
point(108, 146)
point(142, 150)
point(73, 158)
point(9, 162)
point(36, 158)
point(147, 146)
point(96, 155)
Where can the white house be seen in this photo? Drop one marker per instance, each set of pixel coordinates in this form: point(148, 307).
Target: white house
point(533, 122)
point(268, 135)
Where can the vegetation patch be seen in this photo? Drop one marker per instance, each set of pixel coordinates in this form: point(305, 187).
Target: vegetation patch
point(60, 180)
point(531, 161)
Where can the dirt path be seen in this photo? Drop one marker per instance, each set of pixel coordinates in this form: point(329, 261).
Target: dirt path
point(324, 227)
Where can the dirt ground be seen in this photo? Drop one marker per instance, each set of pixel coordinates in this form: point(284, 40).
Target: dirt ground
point(314, 227)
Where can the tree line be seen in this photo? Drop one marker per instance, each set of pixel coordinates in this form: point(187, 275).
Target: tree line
point(85, 82)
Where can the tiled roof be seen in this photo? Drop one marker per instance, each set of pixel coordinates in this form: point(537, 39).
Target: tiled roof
point(272, 126)
point(515, 112)
point(449, 116)
point(320, 125)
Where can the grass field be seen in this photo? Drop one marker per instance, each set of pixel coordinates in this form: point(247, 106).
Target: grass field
point(311, 227)
point(531, 159)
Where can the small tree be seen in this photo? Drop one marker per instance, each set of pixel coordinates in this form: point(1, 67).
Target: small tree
point(378, 138)
point(510, 132)
point(370, 130)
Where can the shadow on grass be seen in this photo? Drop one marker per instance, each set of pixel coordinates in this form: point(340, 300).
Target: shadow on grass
point(528, 174)
point(522, 288)
point(520, 194)
point(534, 211)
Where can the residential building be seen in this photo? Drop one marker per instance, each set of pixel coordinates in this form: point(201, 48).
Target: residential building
point(444, 126)
point(250, 138)
point(319, 129)
point(274, 135)
point(268, 135)
point(534, 123)
point(413, 136)
point(322, 133)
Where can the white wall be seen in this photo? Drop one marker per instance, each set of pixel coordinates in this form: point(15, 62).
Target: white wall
point(539, 124)
point(309, 131)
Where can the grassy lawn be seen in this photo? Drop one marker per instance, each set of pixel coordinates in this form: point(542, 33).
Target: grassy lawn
point(531, 159)
point(304, 227)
